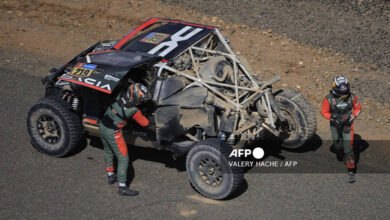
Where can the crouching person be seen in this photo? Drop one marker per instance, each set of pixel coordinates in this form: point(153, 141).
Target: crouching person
point(121, 111)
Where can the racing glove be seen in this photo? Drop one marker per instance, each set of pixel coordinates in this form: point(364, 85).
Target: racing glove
point(343, 120)
point(334, 119)
point(351, 118)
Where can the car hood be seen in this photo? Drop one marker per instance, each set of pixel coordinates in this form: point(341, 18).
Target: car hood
point(107, 68)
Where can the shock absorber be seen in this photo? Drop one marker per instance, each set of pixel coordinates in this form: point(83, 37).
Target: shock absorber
point(232, 139)
point(75, 103)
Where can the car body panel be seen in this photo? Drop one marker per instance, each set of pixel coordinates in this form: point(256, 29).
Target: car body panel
point(109, 67)
point(150, 22)
point(106, 69)
point(167, 41)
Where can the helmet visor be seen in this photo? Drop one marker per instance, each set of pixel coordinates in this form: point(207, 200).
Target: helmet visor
point(343, 89)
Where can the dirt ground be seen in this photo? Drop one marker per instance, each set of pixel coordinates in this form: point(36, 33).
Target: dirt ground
point(359, 28)
point(49, 32)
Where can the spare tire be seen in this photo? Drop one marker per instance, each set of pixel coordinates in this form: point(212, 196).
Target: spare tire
point(53, 127)
point(301, 121)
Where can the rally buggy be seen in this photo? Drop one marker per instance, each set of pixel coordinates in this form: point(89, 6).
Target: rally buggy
point(205, 101)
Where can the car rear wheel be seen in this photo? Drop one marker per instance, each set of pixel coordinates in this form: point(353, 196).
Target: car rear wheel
point(300, 124)
point(209, 170)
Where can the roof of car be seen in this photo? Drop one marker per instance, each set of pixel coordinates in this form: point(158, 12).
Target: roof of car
point(166, 40)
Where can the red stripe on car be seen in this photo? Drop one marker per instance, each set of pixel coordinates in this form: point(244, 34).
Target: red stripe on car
point(104, 51)
point(90, 121)
point(150, 22)
point(138, 29)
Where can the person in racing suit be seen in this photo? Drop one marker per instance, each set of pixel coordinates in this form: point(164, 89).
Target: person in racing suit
point(341, 107)
point(117, 114)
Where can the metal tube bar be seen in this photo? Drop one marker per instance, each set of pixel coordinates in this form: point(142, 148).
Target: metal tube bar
point(269, 110)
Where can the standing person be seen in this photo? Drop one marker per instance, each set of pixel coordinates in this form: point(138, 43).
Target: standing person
point(341, 107)
point(117, 114)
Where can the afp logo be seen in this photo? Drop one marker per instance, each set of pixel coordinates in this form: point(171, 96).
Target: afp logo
point(257, 153)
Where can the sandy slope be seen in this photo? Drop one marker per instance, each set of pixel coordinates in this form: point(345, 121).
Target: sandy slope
point(48, 32)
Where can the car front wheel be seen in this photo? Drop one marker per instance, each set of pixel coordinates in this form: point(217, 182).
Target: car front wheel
point(53, 127)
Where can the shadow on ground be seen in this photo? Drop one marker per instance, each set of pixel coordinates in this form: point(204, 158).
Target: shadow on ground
point(159, 156)
point(359, 146)
point(273, 148)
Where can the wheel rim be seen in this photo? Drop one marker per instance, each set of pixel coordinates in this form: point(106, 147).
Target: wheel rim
point(48, 129)
point(210, 171)
point(288, 127)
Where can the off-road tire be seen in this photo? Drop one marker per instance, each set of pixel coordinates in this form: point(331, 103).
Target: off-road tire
point(66, 122)
point(296, 105)
point(213, 150)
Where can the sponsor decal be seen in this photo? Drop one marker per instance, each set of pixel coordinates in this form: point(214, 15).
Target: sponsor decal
point(95, 82)
point(168, 46)
point(143, 89)
point(342, 105)
point(98, 71)
point(341, 80)
point(154, 38)
point(89, 66)
point(80, 75)
point(66, 76)
point(343, 88)
point(111, 78)
point(89, 82)
point(82, 70)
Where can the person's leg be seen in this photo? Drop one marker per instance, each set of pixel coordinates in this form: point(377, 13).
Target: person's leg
point(120, 150)
point(108, 156)
point(348, 150)
point(105, 133)
point(348, 147)
point(337, 142)
point(335, 136)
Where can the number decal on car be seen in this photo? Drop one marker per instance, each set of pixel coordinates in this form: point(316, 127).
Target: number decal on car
point(82, 70)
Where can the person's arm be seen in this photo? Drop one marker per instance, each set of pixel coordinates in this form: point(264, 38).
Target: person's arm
point(325, 109)
point(356, 108)
point(140, 119)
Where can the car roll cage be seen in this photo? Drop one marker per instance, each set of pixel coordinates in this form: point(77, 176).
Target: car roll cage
point(256, 91)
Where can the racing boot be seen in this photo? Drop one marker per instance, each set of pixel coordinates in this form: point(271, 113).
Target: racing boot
point(340, 154)
point(125, 191)
point(338, 151)
point(112, 179)
point(351, 177)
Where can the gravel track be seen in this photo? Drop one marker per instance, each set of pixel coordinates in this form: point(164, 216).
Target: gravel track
point(360, 29)
point(34, 185)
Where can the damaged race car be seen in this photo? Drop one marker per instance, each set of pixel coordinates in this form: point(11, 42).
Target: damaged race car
point(205, 101)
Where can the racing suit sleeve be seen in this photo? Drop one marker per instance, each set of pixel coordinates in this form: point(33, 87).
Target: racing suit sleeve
point(325, 109)
point(356, 107)
point(140, 119)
